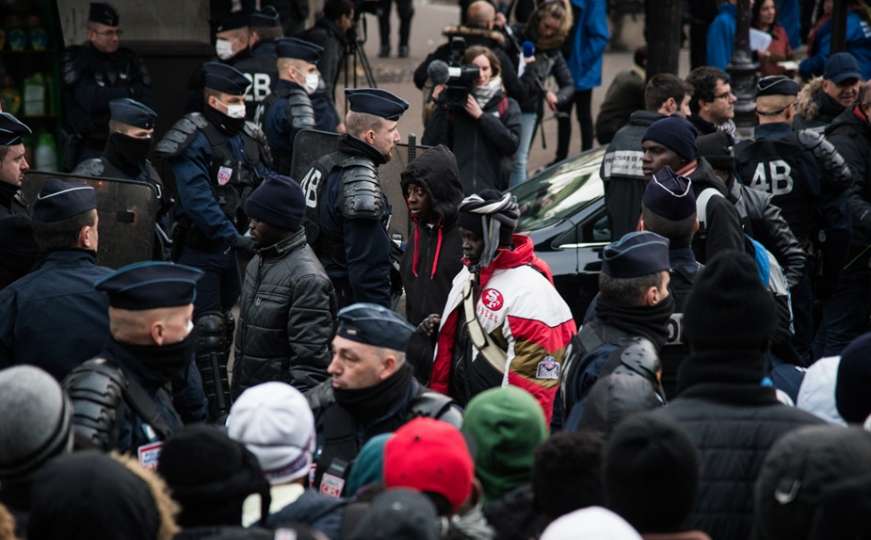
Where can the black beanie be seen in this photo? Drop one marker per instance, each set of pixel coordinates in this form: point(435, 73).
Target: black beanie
point(676, 134)
point(728, 307)
point(852, 395)
point(210, 475)
point(799, 470)
point(278, 201)
point(651, 473)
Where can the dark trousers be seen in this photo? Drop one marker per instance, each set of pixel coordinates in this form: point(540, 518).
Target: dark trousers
point(405, 9)
point(803, 316)
point(845, 314)
point(220, 285)
point(582, 103)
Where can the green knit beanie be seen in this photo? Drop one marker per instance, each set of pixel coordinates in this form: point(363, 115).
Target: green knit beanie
point(504, 426)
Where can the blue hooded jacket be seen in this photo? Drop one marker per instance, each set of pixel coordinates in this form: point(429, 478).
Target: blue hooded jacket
point(588, 40)
point(721, 37)
point(858, 44)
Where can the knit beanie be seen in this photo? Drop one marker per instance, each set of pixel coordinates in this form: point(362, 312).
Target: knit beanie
point(35, 423)
point(651, 473)
point(593, 523)
point(278, 201)
point(676, 134)
point(799, 470)
point(368, 468)
point(275, 422)
point(504, 426)
point(852, 395)
point(430, 456)
point(728, 307)
point(399, 514)
point(210, 475)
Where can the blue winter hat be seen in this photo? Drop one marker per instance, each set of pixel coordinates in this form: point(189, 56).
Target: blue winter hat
point(278, 201)
point(669, 195)
point(676, 134)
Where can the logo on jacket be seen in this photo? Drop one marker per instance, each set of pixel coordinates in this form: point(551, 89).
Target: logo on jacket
point(548, 369)
point(224, 175)
point(492, 299)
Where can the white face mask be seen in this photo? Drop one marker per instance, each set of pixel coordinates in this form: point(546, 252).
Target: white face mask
point(223, 48)
point(311, 82)
point(236, 110)
point(189, 328)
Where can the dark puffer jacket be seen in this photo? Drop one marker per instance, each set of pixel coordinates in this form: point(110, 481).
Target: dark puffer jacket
point(852, 137)
point(286, 316)
point(732, 422)
point(484, 147)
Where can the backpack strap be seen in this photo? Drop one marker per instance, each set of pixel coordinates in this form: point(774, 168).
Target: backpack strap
point(702, 204)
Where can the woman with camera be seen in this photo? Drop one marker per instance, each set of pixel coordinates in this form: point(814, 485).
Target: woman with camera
point(481, 126)
point(538, 56)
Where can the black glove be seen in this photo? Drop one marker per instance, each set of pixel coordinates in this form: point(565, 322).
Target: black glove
point(429, 325)
point(244, 244)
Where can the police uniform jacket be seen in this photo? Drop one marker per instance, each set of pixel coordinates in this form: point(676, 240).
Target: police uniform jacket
point(92, 79)
point(346, 222)
point(53, 318)
point(289, 110)
point(286, 316)
point(11, 202)
point(621, 171)
point(259, 65)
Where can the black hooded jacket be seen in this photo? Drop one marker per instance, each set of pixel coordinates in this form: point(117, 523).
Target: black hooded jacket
point(852, 137)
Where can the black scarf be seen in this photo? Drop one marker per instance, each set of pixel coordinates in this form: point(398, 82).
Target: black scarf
point(356, 147)
point(650, 322)
point(230, 126)
point(163, 363)
point(375, 402)
point(7, 193)
point(127, 153)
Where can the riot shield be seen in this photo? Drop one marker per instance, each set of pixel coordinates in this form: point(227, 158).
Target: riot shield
point(127, 211)
point(310, 145)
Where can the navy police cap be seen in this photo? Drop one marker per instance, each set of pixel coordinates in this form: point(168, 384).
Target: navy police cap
point(376, 101)
point(224, 78)
point(299, 49)
point(636, 254)
point(374, 325)
point(234, 21)
point(131, 112)
point(151, 285)
point(100, 12)
point(776, 85)
point(265, 18)
point(59, 200)
point(669, 195)
point(11, 130)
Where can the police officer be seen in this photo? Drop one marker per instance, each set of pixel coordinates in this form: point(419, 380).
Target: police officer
point(13, 164)
point(131, 127)
point(53, 318)
point(629, 324)
point(289, 108)
point(346, 211)
point(151, 346)
point(372, 390)
point(215, 159)
point(94, 74)
point(259, 64)
point(803, 172)
point(668, 208)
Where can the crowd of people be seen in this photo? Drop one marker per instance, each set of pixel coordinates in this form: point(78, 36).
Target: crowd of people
point(276, 366)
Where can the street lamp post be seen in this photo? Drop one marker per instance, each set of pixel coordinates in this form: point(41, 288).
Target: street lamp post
point(742, 71)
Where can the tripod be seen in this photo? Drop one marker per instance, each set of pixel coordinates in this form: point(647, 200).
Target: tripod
point(354, 55)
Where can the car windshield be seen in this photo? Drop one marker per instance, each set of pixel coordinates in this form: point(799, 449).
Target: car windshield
point(560, 191)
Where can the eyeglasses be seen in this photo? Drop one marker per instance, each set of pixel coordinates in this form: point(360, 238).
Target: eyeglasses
point(110, 33)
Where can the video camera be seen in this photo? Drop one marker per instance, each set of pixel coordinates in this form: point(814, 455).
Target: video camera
point(458, 79)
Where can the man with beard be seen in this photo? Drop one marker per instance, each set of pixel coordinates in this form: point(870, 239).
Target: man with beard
point(347, 213)
point(289, 107)
point(13, 164)
point(215, 159)
point(286, 338)
point(504, 322)
point(93, 75)
point(151, 344)
point(372, 390)
point(713, 103)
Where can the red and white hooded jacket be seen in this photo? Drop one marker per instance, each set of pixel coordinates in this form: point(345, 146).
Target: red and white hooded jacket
point(520, 307)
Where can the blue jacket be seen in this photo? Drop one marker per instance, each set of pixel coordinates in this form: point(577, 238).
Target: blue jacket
point(721, 37)
point(587, 43)
point(196, 201)
point(858, 44)
point(53, 318)
point(789, 17)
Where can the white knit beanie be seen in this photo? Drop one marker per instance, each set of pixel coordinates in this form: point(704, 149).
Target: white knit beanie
point(593, 523)
point(275, 422)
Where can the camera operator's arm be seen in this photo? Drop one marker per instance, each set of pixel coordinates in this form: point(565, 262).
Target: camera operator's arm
point(502, 131)
point(437, 129)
